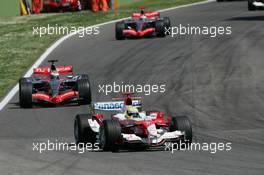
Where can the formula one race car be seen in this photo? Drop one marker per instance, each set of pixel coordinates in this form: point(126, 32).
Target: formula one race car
point(54, 85)
point(61, 5)
point(142, 24)
point(131, 127)
point(255, 4)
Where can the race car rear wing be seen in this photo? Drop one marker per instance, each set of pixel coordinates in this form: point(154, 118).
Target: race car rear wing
point(46, 70)
point(114, 105)
point(147, 14)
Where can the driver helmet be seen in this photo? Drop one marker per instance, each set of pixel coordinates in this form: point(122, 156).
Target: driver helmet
point(132, 112)
point(142, 15)
point(142, 12)
point(53, 72)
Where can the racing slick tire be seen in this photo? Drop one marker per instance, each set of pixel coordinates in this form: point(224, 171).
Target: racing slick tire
point(85, 76)
point(167, 24)
point(110, 132)
point(84, 89)
point(120, 26)
point(82, 130)
point(160, 28)
point(251, 6)
point(25, 93)
point(182, 123)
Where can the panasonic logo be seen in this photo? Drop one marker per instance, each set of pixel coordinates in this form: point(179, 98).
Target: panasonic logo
point(119, 105)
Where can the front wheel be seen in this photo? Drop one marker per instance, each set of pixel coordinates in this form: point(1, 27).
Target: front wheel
point(167, 24)
point(84, 89)
point(82, 130)
point(120, 26)
point(160, 28)
point(251, 6)
point(110, 132)
point(182, 123)
point(25, 93)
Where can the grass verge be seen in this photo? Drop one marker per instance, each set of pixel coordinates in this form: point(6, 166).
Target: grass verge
point(19, 48)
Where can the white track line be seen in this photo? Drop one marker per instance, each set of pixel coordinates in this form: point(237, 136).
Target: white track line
point(14, 90)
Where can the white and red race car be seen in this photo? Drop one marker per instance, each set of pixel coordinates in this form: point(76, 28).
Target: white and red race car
point(146, 130)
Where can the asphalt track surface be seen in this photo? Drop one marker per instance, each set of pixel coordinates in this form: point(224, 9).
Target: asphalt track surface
point(217, 82)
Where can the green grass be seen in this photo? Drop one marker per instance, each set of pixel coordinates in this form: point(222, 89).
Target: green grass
point(9, 8)
point(19, 48)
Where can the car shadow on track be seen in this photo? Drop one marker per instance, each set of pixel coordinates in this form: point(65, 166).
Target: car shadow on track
point(15, 105)
point(247, 18)
point(145, 151)
point(139, 149)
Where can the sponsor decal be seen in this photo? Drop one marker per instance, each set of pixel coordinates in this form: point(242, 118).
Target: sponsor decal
point(114, 105)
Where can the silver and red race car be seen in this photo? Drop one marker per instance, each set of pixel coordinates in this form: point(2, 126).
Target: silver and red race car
point(143, 24)
point(146, 129)
point(54, 85)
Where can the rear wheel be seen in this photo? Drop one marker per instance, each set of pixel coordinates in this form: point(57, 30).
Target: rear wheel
point(25, 93)
point(110, 132)
point(84, 76)
point(182, 123)
point(84, 89)
point(251, 6)
point(167, 24)
point(120, 26)
point(82, 130)
point(160, 28)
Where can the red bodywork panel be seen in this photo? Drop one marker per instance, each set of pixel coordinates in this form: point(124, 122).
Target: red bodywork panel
point(144, 124)
point(46, 70)
point(56, 99)
point(160, 115)
point(99, 118)
point(139, 33)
